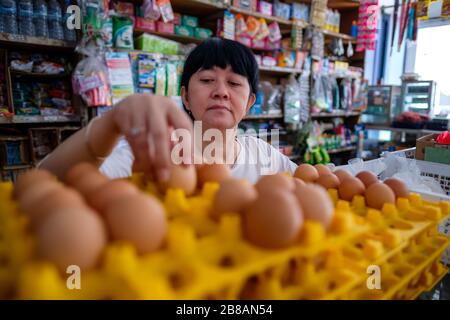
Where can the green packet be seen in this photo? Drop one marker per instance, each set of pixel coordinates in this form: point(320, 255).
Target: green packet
point(202, 33)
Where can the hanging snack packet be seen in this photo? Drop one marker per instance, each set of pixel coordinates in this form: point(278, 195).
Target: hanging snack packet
point(241, 26)
point(263, 30)
point(172, 80)
point(90, 79)
point(252, 26)
point(160, 85)
point(165, 8)
point(274, 32)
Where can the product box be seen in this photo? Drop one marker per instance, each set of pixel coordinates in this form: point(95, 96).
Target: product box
point(269, 45)
point(202, 33)
point(246, 41)
point(176, 19)
point(250, 5)
point(165, 27)
point(258, 44)
point(427, 149)
point(189, 21)
point(265, 7)
point(155, 44)
point(145, 24)
point(124, 8)
point(184, 31)
point(281, 10)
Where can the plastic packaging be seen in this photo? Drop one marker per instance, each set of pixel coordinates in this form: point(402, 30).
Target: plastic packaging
point(123, 32)
point(25, 13)
point(150, 10)
point(55, 29)
point(90, 78)
point(8, 16)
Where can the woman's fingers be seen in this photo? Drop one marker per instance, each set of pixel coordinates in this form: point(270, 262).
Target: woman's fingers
point(159, 134)
point(183, 128)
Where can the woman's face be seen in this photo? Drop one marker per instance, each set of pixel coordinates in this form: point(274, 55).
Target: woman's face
point(218, 97)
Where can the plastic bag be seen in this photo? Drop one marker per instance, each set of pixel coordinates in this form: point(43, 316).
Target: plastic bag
point(90, 78)
point(292, 104)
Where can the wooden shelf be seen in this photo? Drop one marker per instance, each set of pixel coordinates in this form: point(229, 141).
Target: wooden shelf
point(278, 70)
point(339, 35)
point(15, 40)
point(262, 116)
point(16, 73)
point(346, 149)
point(39, 119)
point(335, 115)
point(260, 15)
point(261, 135)
point(17, 167)
point(171, 36)
point(196, 7)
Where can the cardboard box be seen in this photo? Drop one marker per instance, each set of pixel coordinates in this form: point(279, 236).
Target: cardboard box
point(189, 21)
point(202, 33)
point(184, 31)
point(145, 24)
point(165, 27)
point(427, 149)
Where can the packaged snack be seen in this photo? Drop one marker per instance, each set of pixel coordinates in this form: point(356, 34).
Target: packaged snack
point(145, 24)
point(146, 72)
point(189, 21)
point(90, 79)
point(263, 30)
point(265, 7)
point(124, 9)
point(269, 61)
point(123, 32)
point(150, 10)
point(252, 26)
point(120, 75)
point(165, 8)
point(165, 27)
point(269, 45)
point(250, 5)
point(241, 25)
point(184, 31)
point(160, 84)
point(173, 85)
point(176, 19)
point(258, 44)
point(245, 40)
point(228, 25)
point(107, 32)
point(281, 10)
point(202, 33)
point(274, 32)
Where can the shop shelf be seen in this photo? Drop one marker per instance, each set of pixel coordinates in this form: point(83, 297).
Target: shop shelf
point(22, 74)
point(340, 150)
point(339, 35)
point(16, 40)
point(335, 114)
point(39, 119)
point(278, 70)
point(263, 116)
point(260, 15)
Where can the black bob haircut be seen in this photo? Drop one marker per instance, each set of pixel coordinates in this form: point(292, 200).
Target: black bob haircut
point(218, 52)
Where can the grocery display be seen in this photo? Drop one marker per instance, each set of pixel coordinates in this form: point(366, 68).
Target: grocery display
point(364, 149)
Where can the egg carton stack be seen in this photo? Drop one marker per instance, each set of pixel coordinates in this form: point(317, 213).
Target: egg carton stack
point(208, 256)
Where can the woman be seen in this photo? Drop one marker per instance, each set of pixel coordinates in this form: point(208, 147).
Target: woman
point(218, 87)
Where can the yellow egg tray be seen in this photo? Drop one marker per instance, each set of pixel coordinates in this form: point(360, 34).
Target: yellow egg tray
point(207, 259)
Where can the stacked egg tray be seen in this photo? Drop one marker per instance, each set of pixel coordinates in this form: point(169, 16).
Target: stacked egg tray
point(207, 259)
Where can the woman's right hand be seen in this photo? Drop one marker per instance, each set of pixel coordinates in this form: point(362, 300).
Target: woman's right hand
point(147, 122)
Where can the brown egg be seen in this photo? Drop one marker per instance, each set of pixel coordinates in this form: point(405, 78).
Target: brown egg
point(79, 170)
point(139, 219)
point(233, 196)
point(36, 194)
point(71, 236)
point(322, 169)
point(351, 187)
point(181, 177)
point(306, 172)
point(30, 178)
point(89, 183)
point(377, 194)
point(367, 178)
point(398, 186)
point(342, 174)
point(316, 204)
point(212, 173)
point(328, 181)
point(273, 220)
point(108, 192)
point(273, 182)
point(60, 199)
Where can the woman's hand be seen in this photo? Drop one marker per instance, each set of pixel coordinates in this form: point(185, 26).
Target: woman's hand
point(147, 122)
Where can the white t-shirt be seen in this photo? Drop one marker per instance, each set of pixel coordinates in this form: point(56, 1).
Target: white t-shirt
point(256, 158)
